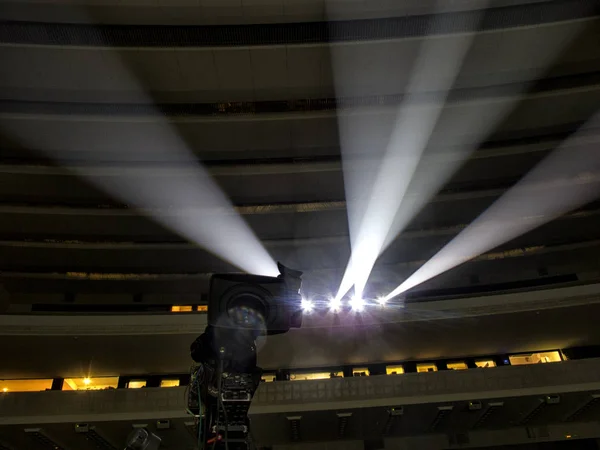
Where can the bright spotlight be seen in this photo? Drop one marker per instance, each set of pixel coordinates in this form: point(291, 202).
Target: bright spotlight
point(357, 304)
point(307, 305)
point(87, 381)
point(381, 301)
point(335, 304)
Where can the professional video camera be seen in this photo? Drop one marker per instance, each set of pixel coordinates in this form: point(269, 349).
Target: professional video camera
point(240, 309)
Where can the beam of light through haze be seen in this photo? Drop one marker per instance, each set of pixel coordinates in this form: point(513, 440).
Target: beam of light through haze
point(374, 193)
point(463, 133)
point(386, 191)
point(196, 208)
point(566, 179)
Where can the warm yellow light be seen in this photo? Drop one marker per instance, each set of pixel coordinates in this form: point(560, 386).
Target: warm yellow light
point(485, 363)
point(88, 383)
point(457, 365)
point(313, 376)
point(25, 385)
point(360, 372)
point(535, 358)
point(182, 308)
point(394, 370)
point(426, 367)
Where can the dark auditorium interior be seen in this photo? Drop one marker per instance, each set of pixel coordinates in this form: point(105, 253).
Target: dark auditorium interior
point(299, 224)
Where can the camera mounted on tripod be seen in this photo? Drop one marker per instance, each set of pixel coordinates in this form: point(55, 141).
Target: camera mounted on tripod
point(241, 308)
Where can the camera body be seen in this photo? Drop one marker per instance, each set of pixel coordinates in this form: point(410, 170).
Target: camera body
point(240, 308)
point(267, 305)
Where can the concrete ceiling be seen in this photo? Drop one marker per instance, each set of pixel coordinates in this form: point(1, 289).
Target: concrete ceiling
point(212, 12)
point(72, 346)
point(284, 71)
point(517, 405)
point(263, 120)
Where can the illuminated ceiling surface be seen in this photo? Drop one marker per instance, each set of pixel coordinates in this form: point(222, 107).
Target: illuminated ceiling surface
point(133, 166)
point(145, 145)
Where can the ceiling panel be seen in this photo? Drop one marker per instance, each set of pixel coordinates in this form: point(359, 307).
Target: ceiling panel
point(172, 4)
point(20, 68)
point(192, 12)
point(151, 68)
point(232, 135)
point(372, 68)
point(304, 70)
point(198, 73)
point(305, 10)
point(316, 131)
point(226, 11)
point(264, 11)
point(50, 255)
point(72, 222)
point(466, 123)
point(359, 68)
point(235, 76)
point(345, 343)
point(269, 72)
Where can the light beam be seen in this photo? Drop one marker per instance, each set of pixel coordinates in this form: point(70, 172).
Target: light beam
point(197, 209)
point(386, 189)
point(375, 189)
point(565, 180)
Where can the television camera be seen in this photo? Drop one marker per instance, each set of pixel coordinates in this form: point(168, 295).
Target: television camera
point(241, 308)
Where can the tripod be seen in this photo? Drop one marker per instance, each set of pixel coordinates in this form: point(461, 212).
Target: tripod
point(223, 385)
